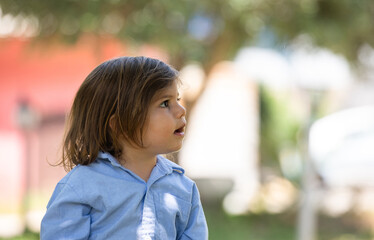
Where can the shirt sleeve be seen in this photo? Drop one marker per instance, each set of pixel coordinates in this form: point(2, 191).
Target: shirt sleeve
point(196, 228)
point(67, 217)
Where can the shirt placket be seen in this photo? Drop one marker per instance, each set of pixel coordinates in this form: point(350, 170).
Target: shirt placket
point(148, 225)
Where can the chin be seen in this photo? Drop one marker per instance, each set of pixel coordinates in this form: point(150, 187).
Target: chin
point(172, 150)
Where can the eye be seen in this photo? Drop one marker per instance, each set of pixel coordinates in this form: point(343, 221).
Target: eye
point(165, 104)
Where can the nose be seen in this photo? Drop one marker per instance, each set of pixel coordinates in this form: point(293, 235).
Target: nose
point(181, 111)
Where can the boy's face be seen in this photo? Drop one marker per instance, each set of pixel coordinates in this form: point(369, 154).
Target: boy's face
point(165, 126)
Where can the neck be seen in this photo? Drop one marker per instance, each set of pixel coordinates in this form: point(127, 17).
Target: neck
point(138, 162)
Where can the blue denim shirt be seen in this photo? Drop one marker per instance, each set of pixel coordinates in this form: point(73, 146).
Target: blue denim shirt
point(107, 201)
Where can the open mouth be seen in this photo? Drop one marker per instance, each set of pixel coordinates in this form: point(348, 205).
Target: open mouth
point(180, 131)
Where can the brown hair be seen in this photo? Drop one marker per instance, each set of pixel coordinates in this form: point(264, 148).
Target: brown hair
point(121, 89)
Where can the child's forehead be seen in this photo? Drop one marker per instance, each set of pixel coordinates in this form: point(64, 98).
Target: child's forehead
point(171, 90)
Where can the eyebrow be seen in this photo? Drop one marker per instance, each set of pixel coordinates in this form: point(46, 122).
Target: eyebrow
point(161, 96)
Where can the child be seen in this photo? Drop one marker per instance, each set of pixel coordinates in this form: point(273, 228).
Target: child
point(124, 115)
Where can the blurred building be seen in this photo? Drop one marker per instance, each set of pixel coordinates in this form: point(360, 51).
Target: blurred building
point(221, 148)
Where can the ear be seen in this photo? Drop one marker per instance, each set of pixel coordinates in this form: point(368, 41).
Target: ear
point(112, 123)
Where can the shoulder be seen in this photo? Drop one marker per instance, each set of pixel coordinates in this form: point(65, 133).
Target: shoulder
point(82, 173)
point(81, 178)
point(77, 174)
point(65, 189)
point(73, 178)
point(82, 182)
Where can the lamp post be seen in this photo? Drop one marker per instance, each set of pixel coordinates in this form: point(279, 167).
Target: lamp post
point(316, 71)
point(27, 120)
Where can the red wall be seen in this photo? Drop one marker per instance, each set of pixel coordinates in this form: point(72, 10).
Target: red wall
point(46, 75)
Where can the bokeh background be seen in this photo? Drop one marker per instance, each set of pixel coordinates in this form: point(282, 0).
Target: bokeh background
point(279, 94)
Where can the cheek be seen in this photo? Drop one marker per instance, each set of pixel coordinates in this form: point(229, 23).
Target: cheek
point(159, 125)
point(155, 129)
point(160, 134)
point(159, 129)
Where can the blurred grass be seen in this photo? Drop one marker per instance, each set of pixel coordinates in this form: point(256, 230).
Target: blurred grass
point(256, 227)
point(268, 227)
point(26, 236)
point(281, 226)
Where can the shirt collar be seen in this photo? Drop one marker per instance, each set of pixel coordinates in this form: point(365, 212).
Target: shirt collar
point(166, 166)
point(112, 160)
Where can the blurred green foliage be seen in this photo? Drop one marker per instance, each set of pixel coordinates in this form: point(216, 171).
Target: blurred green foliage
point(280, 126)
point(204, 30)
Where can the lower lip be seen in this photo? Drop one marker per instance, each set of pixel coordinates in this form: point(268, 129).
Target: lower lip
point(179, 134)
